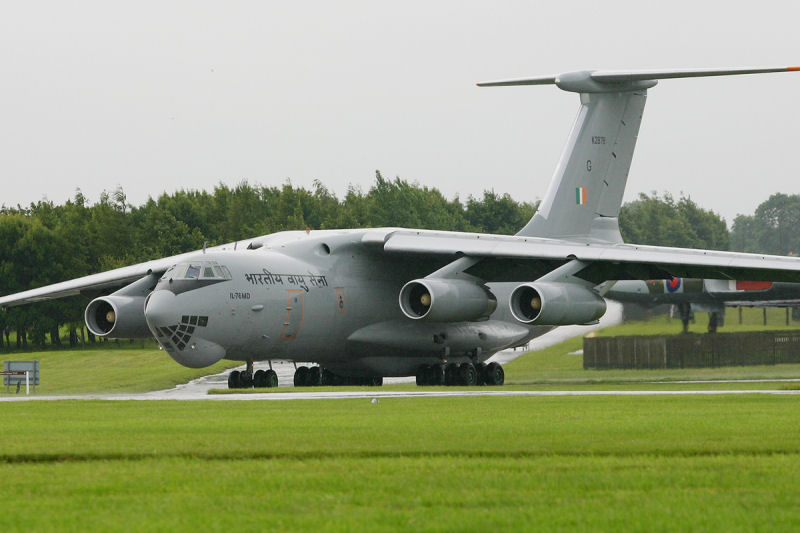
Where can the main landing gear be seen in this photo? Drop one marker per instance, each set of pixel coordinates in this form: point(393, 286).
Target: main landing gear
point(465, 374)
point(247, 379)
point(316, 375)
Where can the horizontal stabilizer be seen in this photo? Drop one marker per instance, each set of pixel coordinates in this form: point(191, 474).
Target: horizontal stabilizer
point(614, 80)
point(617, 76)
point(541, 80)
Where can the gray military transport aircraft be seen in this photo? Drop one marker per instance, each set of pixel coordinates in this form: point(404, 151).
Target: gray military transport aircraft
point(368, 303)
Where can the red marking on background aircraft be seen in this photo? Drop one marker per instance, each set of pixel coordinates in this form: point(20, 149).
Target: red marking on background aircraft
point(753, 285)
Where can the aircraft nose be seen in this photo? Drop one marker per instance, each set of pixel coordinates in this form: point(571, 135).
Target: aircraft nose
point(181, 332)
point(160, 308)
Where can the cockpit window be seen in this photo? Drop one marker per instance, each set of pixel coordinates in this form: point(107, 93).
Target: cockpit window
point(193, 272)
point(197, 270)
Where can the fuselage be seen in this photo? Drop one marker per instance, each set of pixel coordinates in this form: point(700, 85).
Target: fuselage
point(317, 297)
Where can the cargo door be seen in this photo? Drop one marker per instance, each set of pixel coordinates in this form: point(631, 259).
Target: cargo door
point(295, 301)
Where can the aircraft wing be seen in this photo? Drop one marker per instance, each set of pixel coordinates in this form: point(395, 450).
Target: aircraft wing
point(94, 282)
point(516, 258)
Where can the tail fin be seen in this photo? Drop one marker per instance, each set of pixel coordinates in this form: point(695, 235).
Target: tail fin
point(585, 193)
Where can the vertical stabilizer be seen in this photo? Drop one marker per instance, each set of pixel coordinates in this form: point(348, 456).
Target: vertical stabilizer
point(585, 193)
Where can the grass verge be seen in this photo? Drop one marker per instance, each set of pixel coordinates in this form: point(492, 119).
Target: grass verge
point(109, 371)
point(472, 464)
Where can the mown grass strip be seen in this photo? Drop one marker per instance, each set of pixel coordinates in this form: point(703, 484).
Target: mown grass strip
point(426, 464)
point(115, 370)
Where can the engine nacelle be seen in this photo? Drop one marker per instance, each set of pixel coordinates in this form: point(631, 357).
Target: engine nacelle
point(446, 300)
point(120, 317)
point(556, 304)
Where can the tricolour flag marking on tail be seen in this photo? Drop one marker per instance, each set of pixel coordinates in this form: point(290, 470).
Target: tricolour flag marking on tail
point(580, 195)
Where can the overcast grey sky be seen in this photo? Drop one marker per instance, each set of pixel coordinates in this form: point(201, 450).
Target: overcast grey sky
point(159, 96)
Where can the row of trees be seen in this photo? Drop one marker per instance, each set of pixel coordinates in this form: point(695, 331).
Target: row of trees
point(46, 243)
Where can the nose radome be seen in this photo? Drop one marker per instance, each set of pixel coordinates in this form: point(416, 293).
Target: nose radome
point(160, 308)
point(179, 333)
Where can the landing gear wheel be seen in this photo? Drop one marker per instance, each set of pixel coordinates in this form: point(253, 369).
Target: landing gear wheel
point(233, 379)
point(480, 372)
point(328, 377)
point(451, 374)
point(423, 375)
point(495, 374)
point(466, 375)
point(245, 380)
point(437, 375)
point(260, 379)
point(301, 376)
point(271, 378)
point(314, 376)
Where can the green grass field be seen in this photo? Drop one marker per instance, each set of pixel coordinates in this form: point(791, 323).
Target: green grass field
point(109, 371)
point(430, 464)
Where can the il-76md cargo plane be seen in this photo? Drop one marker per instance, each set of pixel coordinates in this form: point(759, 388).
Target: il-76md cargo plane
point(367, 303)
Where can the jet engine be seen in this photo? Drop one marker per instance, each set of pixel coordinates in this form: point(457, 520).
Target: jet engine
point(556, 304)
point(446, 300)
point(120, 317)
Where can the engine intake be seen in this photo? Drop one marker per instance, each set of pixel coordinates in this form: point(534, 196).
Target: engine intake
point(120, 317)
point(556, 304)
point(446, 300)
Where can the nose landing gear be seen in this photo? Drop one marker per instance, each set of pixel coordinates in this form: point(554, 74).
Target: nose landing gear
point(246, 379)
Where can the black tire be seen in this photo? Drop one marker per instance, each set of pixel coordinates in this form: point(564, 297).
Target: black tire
point(301, 376)
point(315, 376)
point(423, 375)
point(260, 379)
point(270, 378)
point(495, 375)
point(451, 374)
point(437, 375)
point(233, 379)
point(328, 377)
point(480, 373)
point(466, 375)
point(245, 380)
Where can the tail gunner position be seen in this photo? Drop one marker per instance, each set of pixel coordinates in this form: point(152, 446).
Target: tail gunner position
point(369, 303)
